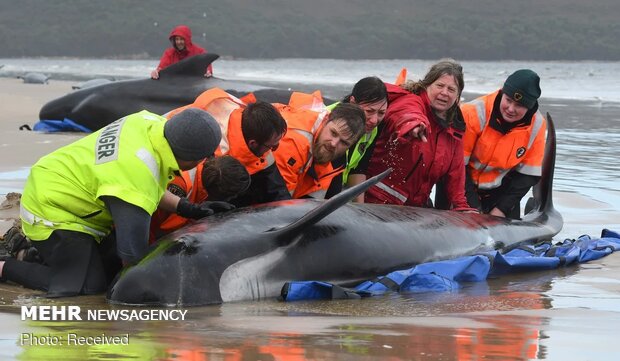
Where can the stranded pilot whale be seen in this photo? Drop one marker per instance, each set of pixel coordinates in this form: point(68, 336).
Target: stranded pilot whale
point(249, 253)
point(179, 84)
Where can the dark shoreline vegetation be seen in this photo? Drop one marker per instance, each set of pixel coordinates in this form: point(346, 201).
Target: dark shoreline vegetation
point(341, 29)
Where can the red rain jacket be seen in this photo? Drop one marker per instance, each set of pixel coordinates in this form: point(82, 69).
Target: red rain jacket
point(418, 166)
point(172, 55)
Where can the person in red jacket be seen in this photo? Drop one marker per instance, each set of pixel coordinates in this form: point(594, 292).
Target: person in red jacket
point(182, 47)
point(422, 141)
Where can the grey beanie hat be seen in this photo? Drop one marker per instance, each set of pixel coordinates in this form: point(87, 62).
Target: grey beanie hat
point(193, 134)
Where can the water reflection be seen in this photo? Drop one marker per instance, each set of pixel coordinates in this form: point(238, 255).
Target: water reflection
point(474, 323)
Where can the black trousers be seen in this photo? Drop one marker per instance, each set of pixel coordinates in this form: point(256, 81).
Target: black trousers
point(485, 201)
point(489, 199)
point(72, 265)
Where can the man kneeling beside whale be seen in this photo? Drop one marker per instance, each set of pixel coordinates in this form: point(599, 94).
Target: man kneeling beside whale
point(113, 178)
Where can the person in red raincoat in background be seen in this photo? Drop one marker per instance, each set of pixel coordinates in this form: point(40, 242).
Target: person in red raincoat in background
point(182, 47)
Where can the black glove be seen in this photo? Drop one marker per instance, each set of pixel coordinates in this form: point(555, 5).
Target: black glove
point(196, 211)
point(217, 206)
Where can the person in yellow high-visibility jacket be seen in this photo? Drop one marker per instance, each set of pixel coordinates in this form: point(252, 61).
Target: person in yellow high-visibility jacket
point(371, 95)
point(114, 177)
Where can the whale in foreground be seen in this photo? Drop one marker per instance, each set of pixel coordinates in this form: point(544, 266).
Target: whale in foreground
point(249, 254)
point(179, 84)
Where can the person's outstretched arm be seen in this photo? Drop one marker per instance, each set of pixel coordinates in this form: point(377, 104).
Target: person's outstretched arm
point(132, 229)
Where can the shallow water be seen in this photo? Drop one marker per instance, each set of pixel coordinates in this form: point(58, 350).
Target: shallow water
point(570, 313)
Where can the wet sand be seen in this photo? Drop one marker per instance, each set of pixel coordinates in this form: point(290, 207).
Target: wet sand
point(566, 314)
point(22, 148)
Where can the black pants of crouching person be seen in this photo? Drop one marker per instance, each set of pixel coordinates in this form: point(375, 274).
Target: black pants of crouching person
point(73, 263)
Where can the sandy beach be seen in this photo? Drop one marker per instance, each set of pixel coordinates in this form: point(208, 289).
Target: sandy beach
point(22, 148)
point(21, 105)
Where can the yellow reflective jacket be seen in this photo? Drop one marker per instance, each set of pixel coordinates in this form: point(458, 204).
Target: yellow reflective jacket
point(129, 159)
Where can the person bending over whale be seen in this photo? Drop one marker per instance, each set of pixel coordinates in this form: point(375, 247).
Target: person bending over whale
point(251, 132)
point(315, 140)
point(210, 185)
point(422, 141)
point(114, 177)
point(371, 95)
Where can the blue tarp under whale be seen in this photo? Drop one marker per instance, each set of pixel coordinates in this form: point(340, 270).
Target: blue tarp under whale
point(65, 125)
point(446, 276)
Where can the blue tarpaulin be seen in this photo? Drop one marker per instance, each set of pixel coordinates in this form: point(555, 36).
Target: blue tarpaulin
point(65, 125)
point(443, 276)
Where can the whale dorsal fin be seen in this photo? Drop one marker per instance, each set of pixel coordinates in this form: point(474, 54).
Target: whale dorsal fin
point(193, 66)
point(542, 203)
point(328, 207)
point(544, 193)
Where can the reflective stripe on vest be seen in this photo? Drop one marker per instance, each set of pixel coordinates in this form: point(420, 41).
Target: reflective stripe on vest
point(474, 163)
point(482, 118)
point(310, 139)
point(270, 159)
point(496, 182)
point(391, 191)
point(499, 173)
point(32, 218)
point(357, 153)
point(151, 163)
point(192, 177)
point(537, 126)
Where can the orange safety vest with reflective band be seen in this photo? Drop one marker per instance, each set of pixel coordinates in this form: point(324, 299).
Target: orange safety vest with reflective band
point(227, 111)
point(188, 185)
point(490, 154)
point(294, 157)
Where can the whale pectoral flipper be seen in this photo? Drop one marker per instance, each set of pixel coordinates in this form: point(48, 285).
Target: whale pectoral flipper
point(326, 208)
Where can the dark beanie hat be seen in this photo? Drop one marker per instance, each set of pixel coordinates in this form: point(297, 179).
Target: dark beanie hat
point(193, 134)
point(523, 86)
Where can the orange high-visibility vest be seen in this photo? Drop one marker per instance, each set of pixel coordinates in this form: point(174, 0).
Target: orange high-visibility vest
point(227, 111)
point(294, 155)
point(188, 185)
point(401, 78)
point(490, 154)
